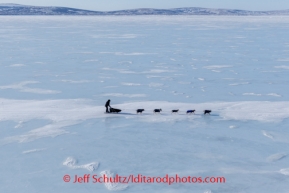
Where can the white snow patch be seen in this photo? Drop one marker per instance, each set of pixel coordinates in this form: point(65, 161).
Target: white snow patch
point(76, 81)
point(23, 88)
point(51, 130)
point(270, 94)
point(285, 171)
point(276, 157)
point(155, 84)
point(129, 62)
point(154, 76)
point(130, 84)
point(19, 125)
point(93, 60)
point(213, 67)
point(17, 65)
point(119, 126)
point(241, 83)
point(274, 94)
point(157, 71)
point(252, 94)
point(283, 60)
point(127, 72)
point(283, 67)
point(123, 71)
point(111, 185)
point(32, 151)
point(71, 163)
point(267, 135)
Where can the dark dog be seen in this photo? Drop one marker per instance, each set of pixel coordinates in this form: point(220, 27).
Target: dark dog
point(207, 112)
point(191, 111)
point(139, 111)
point(157, 110)
point(175, 111)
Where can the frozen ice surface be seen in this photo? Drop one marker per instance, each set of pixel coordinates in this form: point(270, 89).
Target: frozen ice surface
point(57, 73)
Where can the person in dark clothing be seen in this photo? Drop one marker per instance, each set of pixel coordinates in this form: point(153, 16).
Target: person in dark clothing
point(107, 104)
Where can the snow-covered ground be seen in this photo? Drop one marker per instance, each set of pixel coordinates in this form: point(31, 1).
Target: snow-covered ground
point(58, 72)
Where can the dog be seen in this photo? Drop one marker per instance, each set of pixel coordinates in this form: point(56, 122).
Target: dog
point(139, 111)
point(191, 111)
point(157, 110)
point(175, 111)
point(207, 112)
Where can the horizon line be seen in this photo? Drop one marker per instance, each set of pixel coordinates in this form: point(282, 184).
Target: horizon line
point(16, 4)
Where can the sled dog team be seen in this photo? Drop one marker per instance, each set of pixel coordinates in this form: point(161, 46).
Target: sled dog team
point(139, 111)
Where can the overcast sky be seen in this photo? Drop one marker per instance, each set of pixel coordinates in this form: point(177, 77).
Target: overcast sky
point(108, 5)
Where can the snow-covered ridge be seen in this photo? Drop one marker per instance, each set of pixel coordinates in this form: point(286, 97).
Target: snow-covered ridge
point(16, 9)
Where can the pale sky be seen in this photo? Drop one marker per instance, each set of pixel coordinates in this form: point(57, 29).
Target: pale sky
point(109, 5)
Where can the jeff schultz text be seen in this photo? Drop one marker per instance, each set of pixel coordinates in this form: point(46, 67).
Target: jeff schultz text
point(147, 179)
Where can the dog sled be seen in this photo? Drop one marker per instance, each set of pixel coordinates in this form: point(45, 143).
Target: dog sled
point(113, 110)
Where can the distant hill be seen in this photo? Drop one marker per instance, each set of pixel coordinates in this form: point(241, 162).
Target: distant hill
point(16, 9)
